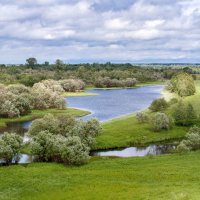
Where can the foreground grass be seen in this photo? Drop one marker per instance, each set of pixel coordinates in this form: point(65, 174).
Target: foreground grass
point(166, 177)
point(40, 113)
point(127, 131)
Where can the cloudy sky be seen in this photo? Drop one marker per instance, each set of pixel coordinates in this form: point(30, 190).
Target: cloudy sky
point(100, 30)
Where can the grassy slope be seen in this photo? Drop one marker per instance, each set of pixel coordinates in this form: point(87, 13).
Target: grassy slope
point(40, 113)
point(126, 131)
point(166, 177)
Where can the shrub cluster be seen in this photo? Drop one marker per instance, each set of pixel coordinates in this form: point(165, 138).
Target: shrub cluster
point(63, 139)
point(72, 85)
point(192, 141)
point(10, 145)
point(14, 101)
point(142, 117)
point(108, 82)
point(18, 100)
point(160, 121)
point(44, 97)
point(158, 105)
point(184, 114)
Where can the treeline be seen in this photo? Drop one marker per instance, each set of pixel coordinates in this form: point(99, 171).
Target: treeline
point(32, 72)
point(108, 82)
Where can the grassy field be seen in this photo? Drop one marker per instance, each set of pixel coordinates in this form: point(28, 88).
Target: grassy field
point(40, 113)
point(169, 177)
point(127, 131)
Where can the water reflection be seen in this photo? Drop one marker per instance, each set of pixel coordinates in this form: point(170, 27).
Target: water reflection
point(137, 151)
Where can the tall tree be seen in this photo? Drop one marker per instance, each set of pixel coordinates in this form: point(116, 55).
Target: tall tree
point(31, 62)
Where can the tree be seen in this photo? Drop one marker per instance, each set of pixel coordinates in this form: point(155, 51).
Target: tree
point(158, 105)
point(160, 121)
point(31, 62)
point(191, 115)
point(59, 65)
point(46, 63)
point(184, 114)
point(182, 84)
point(192, 141)
point(10, 145)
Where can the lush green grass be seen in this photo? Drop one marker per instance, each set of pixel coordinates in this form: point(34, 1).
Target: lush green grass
point(40, 113)
point(166, 177)
point(127, 131)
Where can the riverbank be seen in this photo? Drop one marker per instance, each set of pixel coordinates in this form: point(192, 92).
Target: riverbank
point(136, 86)
point(126, 131)
point(158, 177)
point(40, 113)
point(78, 94)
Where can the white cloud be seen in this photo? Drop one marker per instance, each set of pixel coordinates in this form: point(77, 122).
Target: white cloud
point(78, 30)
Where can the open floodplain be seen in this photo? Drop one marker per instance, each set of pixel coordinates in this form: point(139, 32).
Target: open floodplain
point(171, 176)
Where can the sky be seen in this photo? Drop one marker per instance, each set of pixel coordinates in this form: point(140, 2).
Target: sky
point(118, 31)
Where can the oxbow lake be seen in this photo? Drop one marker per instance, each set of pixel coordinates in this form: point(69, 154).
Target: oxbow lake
point(108, 104)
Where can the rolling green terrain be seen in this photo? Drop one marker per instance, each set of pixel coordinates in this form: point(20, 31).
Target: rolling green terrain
point(166, 177)
point(174, 177)
point(40, 113)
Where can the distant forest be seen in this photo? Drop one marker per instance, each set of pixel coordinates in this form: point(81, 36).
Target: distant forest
point(92, 74)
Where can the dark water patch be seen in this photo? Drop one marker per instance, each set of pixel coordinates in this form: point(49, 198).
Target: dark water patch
point(24, 158)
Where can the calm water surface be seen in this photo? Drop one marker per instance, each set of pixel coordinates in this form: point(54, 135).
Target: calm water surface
point(110, 104)
point(107, 105)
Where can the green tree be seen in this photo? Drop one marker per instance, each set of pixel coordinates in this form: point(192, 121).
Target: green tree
point(59, 65)
point(158, 105)
point(184, 114)
point(182, 84)
point(191, 115)
point(31, 62)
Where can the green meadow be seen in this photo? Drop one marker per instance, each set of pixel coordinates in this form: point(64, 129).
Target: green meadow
point(174, 177)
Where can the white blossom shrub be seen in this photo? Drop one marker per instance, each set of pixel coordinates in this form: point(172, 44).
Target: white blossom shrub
point(160, 121)
point(63, 139)
point(10, 145)
point(72, 85)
